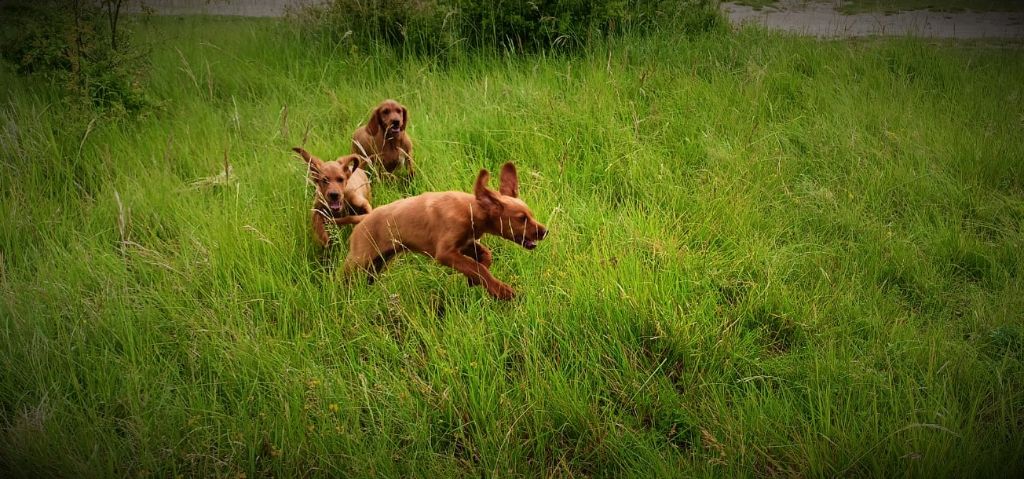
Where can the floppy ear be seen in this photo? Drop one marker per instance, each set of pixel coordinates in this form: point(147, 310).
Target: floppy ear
point(373, 127)
point(354, 163)
point(315, 164)
point(405, 118)
point(487, 199)
point(303, 153)
point(509, 180)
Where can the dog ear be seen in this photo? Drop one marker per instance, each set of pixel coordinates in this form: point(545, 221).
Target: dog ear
point(405, 118)
point(354, 163)
point(373, 127)
point(509, 180)
point(315, 164)
point(487, 199)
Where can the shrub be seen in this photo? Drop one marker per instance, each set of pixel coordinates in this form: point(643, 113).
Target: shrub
point(433, 26)
point(78, 45)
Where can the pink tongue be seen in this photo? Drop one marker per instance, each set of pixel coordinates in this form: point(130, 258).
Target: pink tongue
point(335, 205)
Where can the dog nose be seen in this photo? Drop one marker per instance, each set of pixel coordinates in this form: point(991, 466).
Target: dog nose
point(333, 195)
point(543, 232)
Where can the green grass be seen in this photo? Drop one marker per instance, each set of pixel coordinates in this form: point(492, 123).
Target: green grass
point(769, 256)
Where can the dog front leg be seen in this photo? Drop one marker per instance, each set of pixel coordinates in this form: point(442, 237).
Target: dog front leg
point(477, 271)
point(480, 254)
point(319, 233)
point(410, 166)
point(348, 220)
point(405, 156)
point(361, 204)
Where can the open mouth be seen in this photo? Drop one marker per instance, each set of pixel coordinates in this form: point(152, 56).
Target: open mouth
point(395, 128)
point(335, 206)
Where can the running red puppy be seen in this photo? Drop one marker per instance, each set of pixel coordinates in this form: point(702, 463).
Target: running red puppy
point(447, 226)
point(342, 192)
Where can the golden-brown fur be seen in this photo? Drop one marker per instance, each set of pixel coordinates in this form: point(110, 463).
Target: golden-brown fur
point(342, 192)
point(383, 139)
point(447, 226)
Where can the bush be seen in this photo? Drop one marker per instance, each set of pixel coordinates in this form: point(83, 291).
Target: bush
point(434, 26)
point(81, 47)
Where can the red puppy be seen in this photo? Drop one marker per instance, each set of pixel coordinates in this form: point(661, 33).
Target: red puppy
point(342, 192)
point(447, 226)
point(383, 139)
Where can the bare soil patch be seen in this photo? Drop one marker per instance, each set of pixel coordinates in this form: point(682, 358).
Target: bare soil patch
point(825, 19)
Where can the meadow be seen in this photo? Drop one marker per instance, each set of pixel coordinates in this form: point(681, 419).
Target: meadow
point(769, 256)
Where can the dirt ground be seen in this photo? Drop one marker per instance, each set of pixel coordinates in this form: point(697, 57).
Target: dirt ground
point(244, 8)
point(822, 19)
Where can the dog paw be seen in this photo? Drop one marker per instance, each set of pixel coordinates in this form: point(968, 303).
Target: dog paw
point(502, 291)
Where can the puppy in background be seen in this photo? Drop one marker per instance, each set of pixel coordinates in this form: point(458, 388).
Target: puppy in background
point(342, 192)
point(383, 139)
point(447, 226)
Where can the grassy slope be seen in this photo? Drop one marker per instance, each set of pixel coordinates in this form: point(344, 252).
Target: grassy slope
point(768, 255)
